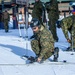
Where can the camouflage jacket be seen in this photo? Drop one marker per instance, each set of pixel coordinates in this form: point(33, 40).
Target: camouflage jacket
point(45, 39)
point(68, 23)
point(37, 10)
point(6, 16)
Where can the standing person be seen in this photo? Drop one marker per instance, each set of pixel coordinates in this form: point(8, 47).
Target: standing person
point(6, 19)
point(43, 42)
point(53, 15)
point(38, 11)
point(68, 24)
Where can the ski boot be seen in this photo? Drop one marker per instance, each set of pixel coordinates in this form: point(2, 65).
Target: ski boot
point(56, 54)
point(69, 49)
point(32, 59)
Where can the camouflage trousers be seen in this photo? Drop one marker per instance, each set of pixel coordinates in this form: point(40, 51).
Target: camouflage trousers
point(52, 28)
point(37, 49)
point(6, 25)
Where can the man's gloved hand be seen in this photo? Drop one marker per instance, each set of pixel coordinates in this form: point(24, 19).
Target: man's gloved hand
point(39, 60)
point(58, 24)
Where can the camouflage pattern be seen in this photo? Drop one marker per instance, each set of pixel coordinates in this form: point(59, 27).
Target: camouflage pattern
point(6, 18)
point(37, 11)
point(68, 24)
point(53, 15)
point(43, 44)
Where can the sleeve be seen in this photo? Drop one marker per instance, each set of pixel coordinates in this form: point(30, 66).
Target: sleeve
point(64, 24)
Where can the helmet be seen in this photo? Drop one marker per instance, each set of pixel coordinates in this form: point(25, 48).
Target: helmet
point(34, 22)
point(72, 4)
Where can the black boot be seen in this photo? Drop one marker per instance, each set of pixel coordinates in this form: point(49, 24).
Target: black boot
point(32, 59)
point(56, 54)
point(69, 49)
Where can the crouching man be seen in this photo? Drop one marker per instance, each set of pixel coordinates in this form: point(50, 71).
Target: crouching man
point(43, 42)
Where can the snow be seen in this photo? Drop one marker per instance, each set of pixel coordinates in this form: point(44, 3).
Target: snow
point(12, 47)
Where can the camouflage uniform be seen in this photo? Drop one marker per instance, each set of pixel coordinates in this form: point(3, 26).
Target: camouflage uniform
point(37, 11)
point(68, 24)
point(53, 15)
point(43, 44)
point(6, 18)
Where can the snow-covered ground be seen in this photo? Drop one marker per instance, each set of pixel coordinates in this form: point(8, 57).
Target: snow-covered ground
point(12, 47)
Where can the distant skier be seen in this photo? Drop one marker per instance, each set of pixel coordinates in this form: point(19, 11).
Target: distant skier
point(43, 42)
point(68, 24)
point(6, 18)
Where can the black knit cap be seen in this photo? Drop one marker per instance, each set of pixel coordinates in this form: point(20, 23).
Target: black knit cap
point(34, 22)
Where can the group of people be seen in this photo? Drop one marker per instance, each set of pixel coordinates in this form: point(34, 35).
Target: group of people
point(4, 19)
point(44, 38)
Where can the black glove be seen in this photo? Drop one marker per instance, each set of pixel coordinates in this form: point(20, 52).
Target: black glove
point(58, 24)
point(33, 36)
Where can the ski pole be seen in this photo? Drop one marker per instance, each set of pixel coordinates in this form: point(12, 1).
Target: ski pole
point(26, 26)
point(19, 26)
point(19, 30)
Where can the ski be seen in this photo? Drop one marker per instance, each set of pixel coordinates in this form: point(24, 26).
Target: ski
point(36, 63)
point(48, 62)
